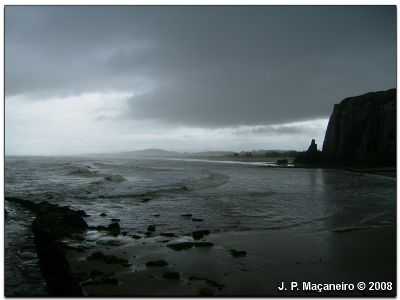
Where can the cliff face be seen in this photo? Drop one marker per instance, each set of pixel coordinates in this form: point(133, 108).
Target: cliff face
point(362, 130)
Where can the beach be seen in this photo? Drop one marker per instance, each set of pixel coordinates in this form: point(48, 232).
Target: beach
point(189, 228)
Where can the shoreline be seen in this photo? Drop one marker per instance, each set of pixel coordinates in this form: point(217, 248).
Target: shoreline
point(102, 262)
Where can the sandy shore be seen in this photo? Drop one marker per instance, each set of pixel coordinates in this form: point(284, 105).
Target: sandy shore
point(271, 257)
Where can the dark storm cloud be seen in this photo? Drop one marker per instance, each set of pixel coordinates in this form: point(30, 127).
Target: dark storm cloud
point(204, 66)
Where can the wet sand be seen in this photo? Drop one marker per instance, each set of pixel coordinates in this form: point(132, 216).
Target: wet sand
point(271, 257)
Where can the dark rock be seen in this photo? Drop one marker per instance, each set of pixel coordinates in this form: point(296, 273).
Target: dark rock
point(114, 178)
point(103, 215)
point(157, 263)
point(203, 244)
point(168, 234)
point(199, 234)
point(114, 228)
point(362, 130)
point(135, 236)
point(172, 275)
point(101, 228)
point(53, 223)
point(144, 200)
point(312, 149)
point(57, 222)
point(107, 242)
point(185, 188)
point(115, 220)
point(25, 203)
point(82, 213)
point(311, 156)
point(186, 215)
point(156, 215)
point(177, 246)
point(282, 161)
point(151, 228)
point(197, 220)
point(237, 253)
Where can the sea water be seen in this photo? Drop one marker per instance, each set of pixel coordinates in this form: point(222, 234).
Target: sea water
point(227, 195)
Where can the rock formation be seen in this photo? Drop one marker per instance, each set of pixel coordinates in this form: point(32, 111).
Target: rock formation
point(311, 156)
point(313, 148)
point(362, 130)
point(51, 225)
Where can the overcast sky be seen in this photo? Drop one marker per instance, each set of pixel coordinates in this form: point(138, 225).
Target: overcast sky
point(109, 78)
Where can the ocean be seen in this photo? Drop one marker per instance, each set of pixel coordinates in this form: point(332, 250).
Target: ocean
point(228, 196)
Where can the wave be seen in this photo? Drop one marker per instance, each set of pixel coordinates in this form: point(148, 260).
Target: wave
point(114, 178)
point(90, 171)
point(150, 194)
point(84, 171)
point(212, 180)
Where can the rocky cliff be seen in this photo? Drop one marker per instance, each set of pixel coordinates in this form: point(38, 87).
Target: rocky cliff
point(362, 130)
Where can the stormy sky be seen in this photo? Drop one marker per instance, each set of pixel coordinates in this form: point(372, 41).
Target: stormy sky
point(84, 79)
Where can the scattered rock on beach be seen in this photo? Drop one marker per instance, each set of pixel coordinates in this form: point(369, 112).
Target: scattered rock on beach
point(151, 228)
point(114, 228)
point(177, 246)
point(197, 220)
point(115, 220)
point(156, 215)
point(203, 244)
point(135, 236)
point(237, 253)
point(103, 215)
point(199, 234)
point(144, 200)
point(82, 213)
point(113, 242)
point(157, 263)
point(168, 234)
point(186, 215)
point(101, 228)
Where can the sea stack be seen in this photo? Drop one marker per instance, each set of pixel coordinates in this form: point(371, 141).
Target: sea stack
point(311, 156)
point(362, 131)
point(313, 148)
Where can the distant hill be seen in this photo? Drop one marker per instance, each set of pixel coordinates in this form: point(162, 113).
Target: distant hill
point(151, 153)
point(161, 153)
point(210, 153)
